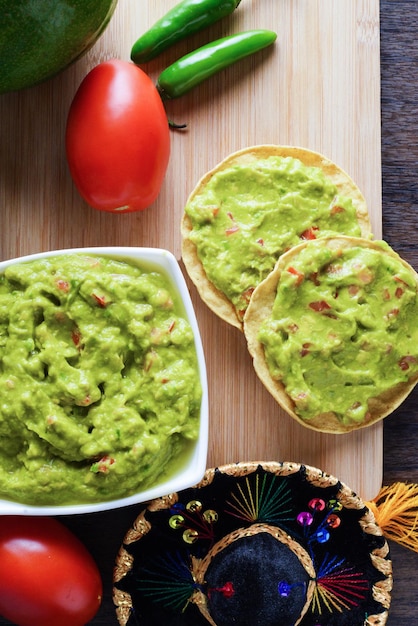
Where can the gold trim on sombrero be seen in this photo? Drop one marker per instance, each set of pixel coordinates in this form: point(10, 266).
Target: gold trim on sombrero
point(123, 602)
point(317, 478)
point(377, 620)
point(124, 562)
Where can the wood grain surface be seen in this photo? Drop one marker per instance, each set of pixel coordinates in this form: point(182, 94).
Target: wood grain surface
point(317, 87)
point(40, 209)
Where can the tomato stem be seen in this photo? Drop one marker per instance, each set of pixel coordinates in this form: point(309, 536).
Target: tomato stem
point(175, 126)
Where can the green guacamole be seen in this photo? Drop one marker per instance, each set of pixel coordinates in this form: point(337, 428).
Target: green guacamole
point(99, 383)
point(247, 215)
point(343, 329)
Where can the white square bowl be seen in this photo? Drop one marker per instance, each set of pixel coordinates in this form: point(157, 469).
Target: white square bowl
point(193, 470)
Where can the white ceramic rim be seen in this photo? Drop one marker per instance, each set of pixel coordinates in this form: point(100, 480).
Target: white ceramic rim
point(191, 473)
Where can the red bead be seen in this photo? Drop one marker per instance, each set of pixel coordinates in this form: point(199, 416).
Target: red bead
point(227, 590)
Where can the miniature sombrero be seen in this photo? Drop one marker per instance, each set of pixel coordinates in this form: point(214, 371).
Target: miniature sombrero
point(269, 544)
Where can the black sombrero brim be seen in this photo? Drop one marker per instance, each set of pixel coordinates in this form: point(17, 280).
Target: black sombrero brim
point(157, 580)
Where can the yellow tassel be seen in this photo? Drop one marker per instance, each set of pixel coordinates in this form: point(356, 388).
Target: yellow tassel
point(396, 511)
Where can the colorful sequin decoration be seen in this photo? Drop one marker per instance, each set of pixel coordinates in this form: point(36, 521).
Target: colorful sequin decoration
point(319, 519)
point(258, 498)
point(337, 586)
point(195, 522)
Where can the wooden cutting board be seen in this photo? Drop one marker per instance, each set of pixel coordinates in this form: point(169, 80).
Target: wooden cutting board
point(317, 87)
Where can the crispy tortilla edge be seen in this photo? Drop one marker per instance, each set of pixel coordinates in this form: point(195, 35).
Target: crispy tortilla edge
point(260, 308)
point(209, 293)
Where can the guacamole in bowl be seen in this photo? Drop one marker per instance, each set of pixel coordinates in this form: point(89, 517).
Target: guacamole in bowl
point(102, 380)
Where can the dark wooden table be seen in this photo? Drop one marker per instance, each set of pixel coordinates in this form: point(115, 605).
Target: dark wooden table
point(103, 533)
point(399, 69)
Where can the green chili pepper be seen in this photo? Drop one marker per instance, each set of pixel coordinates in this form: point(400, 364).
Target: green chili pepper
point(192, 69)
point(184, 19)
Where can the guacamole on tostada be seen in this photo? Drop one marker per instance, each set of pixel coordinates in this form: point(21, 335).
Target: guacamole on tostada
point(252, 208)
point(334, 332)
point(99, 382)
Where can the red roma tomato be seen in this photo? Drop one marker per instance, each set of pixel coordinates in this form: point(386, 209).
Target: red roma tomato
point(118, 138)
point(47, 576)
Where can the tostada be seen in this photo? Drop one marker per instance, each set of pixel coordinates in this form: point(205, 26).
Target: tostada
point(333, 332)
point(252, 207)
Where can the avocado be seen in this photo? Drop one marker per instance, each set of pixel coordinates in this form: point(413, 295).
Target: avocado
point(39, 38)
